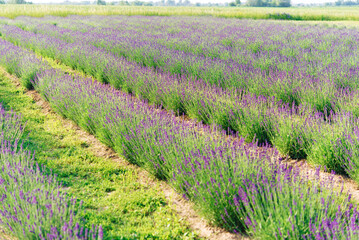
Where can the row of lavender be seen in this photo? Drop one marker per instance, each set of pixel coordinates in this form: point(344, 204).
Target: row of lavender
point(241, 187)
point(326, 139)
point(33, 205)
point(260, 57)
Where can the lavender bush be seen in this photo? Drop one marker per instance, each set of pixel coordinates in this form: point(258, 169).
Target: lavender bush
point(21, 63)
point(276, 207)
point(33, 205)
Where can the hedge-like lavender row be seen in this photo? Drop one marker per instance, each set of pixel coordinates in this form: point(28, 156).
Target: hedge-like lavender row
point(33, 205)
point(286, 87)
point(290, 67)
point(290, 86)
point(240, 187)
point(298, 132)
point(20, 63)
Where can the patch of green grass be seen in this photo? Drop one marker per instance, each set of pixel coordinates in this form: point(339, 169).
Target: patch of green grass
point(112, 193)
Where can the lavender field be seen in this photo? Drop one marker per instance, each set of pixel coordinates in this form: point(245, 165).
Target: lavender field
point(215, 107)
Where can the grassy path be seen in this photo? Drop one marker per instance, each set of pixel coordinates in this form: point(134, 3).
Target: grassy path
point(125, 200)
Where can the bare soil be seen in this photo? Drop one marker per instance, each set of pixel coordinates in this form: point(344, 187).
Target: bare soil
point(4, 236)
point(348, 184)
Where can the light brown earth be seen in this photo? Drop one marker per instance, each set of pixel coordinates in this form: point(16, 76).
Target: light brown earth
point(349, 185)
point(4, 236)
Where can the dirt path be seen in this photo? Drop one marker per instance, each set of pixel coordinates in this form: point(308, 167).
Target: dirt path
point(182, 207)
point(350, 186)
point(4, 236)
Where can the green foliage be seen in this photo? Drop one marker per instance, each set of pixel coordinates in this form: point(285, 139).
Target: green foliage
point(124, 3)
point(101, 2)
point(255, 3)
point(346, 3)
point(281, 16)
point(292, 137)
point(324, 151)
point(269, 3)
point(17, 2)
point(346, 149)
point(282, 3)
point(305, 201)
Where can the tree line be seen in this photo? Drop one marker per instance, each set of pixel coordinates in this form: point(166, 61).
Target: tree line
point(14, 2)
point(235, 3)
point(268, 3)
point(346, 3)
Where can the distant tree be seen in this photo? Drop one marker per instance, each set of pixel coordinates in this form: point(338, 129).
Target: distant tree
point(232, 4)
point(238, 2)
point(269, 3)
point(170, 3)
point(186, 3)
point(255, 3)
point(123, 3)
point(350, 3)
point(101, 2)
point(137, 3)
point(2, 2)
point(179, 3)
point(346, 3)
point(16, 2)
point(283, 3)
point(198, 4)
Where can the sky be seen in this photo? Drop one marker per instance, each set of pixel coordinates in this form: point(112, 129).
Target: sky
point(193, 1)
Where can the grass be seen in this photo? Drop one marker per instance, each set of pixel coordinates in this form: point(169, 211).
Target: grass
point(113, 193)
point(295, 13)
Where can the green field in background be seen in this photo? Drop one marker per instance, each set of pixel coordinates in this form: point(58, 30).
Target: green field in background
point(295, 13)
